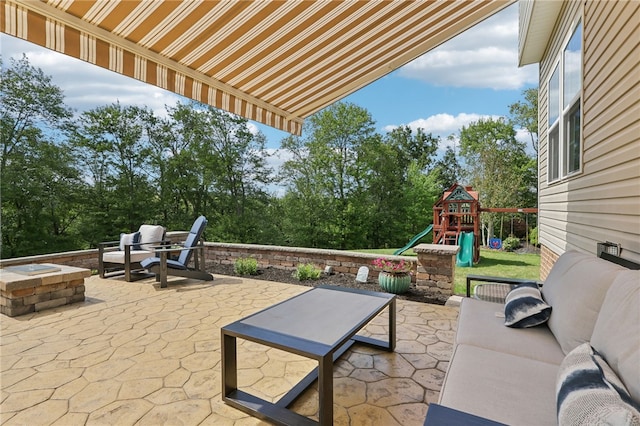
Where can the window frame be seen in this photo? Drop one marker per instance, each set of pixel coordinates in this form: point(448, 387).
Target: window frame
point(564, 153)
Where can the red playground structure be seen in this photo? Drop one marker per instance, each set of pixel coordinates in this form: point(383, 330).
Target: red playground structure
point(456, 220)
point(457, 211)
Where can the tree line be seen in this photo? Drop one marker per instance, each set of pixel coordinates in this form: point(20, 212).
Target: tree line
point(71, 180)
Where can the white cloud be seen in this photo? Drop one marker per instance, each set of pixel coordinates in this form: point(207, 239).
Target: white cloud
point(447, 127)
point(443, 125)
point(253, 128)
point(485, 56)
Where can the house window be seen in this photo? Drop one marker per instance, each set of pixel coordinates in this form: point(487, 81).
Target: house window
point(564, 134)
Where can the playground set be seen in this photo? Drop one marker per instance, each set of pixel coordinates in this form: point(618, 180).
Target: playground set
point(456, 220)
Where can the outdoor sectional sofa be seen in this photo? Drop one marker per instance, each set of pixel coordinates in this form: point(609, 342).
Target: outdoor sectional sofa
point(511, 375)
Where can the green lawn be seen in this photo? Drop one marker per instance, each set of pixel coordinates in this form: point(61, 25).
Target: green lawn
point(499, 264)
point(492, 262)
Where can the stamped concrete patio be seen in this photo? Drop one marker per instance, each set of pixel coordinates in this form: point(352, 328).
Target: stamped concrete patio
point(133, 353)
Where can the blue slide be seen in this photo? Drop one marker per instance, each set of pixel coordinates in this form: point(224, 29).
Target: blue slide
point(465, 255)
point(413, 241)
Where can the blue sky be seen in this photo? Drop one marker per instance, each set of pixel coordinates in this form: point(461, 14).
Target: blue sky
point(473, 75)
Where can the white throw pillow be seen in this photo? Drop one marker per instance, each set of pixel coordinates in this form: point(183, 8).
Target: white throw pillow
point(524, 307)
point(129, 240)
point(588, 392)
point(150, 236)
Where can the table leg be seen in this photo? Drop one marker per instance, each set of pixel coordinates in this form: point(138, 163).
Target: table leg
point(163, 269)
point(325, 390)
point(392, 325)
point(229, 365)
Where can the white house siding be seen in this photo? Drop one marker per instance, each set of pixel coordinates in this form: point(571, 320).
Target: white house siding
point(602, 203)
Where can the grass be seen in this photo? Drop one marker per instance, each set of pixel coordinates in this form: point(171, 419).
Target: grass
point(492, 262)
point(499, 264)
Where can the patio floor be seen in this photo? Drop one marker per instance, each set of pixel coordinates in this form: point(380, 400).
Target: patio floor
point(134, 353)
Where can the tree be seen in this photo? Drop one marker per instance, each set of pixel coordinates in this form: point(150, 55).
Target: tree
point(497, 165)
point(31, 104)
point(114, 144)
point(396, 188)
point(328, 174)
point(419, 147)
point(39, 180)
point(525, 115)
point(447, 170)
point(219, 166)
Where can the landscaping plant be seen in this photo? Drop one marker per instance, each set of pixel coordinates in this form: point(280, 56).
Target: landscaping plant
point(306, 271)
point(246, 266)
point(511, 243)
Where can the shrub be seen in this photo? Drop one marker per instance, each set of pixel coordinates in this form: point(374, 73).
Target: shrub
point(511, 243)
point(306, 271)
point(245, 266)
point(533, 236)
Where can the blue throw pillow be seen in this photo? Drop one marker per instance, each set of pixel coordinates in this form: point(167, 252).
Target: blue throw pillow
point(588, 392)
point(524, 307)
point(132, 239)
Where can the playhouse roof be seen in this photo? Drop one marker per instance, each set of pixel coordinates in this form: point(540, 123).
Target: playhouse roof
point(458, 192)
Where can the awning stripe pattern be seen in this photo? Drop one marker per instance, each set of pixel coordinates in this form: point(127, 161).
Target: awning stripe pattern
point(275, 62)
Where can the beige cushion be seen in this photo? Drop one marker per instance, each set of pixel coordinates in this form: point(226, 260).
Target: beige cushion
point(481, 324)
point(150, 234)
point(501, 387)
point(616, 335)
point(118, 256)
point(575, 289)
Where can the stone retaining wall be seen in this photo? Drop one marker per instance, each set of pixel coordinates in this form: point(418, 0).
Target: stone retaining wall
point(87, 259)
point(434, 267)
point(288, 258)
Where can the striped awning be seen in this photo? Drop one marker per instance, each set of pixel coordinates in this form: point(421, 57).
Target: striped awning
point(275, 62)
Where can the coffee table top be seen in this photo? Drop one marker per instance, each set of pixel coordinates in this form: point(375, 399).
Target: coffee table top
point(314, 322)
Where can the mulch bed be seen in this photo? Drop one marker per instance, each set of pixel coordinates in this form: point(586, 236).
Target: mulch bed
point(341, 280)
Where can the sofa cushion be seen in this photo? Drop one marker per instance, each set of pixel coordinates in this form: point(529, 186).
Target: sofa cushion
point(575, 289)
point(130, 240)
point(502, 387)
point(118, 256)
point(589, 392)
point(150, 236)
point(481, 324)
point(616, 335)
point(525, 308)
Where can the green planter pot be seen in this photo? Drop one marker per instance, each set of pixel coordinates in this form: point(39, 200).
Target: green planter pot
point(394, 283)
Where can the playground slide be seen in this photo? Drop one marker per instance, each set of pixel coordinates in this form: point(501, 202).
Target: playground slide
point(465, 255)
point(413, 241)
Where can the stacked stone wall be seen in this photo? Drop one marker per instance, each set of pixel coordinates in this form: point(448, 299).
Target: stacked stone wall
point(289, 258)
point(436, 268)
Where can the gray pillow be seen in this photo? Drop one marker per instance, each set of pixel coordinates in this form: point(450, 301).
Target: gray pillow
point(132, 239)
point(525, 308)
point(588, 392)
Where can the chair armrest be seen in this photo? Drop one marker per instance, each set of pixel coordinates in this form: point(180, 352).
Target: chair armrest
point(499, 280)
point(108, 244)
point(174, 247)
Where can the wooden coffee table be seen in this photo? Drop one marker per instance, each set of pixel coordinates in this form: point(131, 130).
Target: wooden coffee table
point(320, 324)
